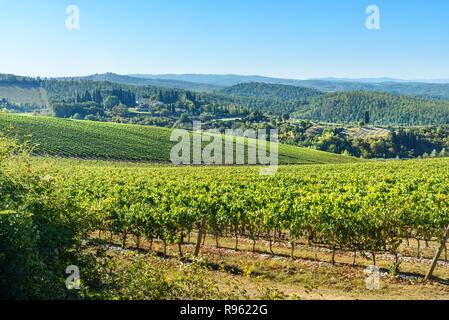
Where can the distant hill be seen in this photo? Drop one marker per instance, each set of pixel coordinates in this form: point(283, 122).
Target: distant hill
point(88, 139)
point(138, 81)
point(224, 80)
point(383, 79)
point(424, 89)
point(270, 91)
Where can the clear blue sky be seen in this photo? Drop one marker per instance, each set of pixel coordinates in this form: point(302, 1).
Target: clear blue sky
point(282, 38)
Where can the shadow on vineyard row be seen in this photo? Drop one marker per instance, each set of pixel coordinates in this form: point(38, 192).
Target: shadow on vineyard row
point(319, 254)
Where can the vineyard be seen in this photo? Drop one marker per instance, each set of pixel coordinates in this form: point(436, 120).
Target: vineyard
point(361, 208)
point(200, 159)
point(150, 217)
point(99, 140)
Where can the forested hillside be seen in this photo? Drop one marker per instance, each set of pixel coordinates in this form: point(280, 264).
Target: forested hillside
point(383, 108)
point(419, 89)
point(339, 107)
point(270, 91)
point(67, 91)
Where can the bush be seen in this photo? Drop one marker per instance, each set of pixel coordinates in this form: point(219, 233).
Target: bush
point(41, 230)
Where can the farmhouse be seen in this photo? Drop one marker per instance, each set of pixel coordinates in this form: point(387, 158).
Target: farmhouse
point(144, 104)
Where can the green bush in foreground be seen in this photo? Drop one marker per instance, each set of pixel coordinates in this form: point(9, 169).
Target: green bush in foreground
point(40, 230)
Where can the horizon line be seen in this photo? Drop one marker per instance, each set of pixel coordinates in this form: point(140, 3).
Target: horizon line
point(323, 78)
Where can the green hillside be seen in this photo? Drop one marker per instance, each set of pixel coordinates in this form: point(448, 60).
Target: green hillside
point(270, 91)
point(418, 89)
point(33, 95)
point(87, 139)
point(383, 108)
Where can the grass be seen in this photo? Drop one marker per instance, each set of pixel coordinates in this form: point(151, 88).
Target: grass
point(88, 139)
point(309, 276)
point(26, 94)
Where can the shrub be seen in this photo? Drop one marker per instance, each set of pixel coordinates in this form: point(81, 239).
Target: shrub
point(41, 230)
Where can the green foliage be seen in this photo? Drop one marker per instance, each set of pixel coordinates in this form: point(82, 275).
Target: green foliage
point(41, 230)
point(439, 91)
point(120, 110)
point(271, 91)
point(47, 208)
point(402, 142)
point(111, 102)
point(367, 207)
point(81, 109)
point(383, 109)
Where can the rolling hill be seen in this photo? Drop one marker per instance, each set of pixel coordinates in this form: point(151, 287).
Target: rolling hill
point(88, 139)
point(224, 80)
point(418, 89)
point(348, 106)
point(383, 108)
point(437, 90)
point(137, 81)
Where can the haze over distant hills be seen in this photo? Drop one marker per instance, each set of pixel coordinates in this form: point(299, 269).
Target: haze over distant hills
point(224, 80)
point(232, 79)
point(438, 89)
point(220, 83)
point(383, 79)
point(216, 82)
point(140, 81)
point(342, 106)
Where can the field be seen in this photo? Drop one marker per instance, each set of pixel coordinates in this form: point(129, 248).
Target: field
point(87, 139)
point(309, 232)
point(24, 94)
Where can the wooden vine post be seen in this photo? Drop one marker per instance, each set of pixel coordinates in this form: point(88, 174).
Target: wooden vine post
point(200, 235)
point(437, 255)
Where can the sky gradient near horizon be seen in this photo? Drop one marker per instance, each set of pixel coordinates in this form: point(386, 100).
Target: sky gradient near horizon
point(284, 38)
